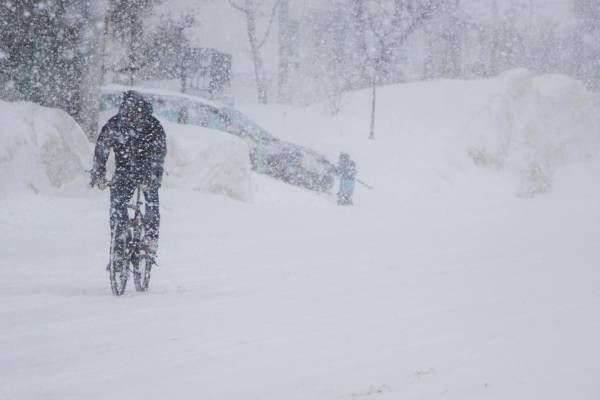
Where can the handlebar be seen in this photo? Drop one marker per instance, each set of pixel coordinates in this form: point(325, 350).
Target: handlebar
point(142, 187)
point(103, 184)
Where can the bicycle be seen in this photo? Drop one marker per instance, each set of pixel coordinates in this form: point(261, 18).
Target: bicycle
point(137, 258)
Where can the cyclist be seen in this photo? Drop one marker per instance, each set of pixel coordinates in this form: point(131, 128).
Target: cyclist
point(139, 143)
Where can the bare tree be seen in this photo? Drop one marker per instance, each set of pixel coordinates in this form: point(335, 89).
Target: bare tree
point(249, 9)
point(285, 49)
point(391, 25)
point(125, 24)
point(49, 55)
point(92, 66)
point(588, 32)
point(359, 28)
point(453, 26)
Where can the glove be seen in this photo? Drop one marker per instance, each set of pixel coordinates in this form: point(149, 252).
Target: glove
point(152, 182)
point(97, 179)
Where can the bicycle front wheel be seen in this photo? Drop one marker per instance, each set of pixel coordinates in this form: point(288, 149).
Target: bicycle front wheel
point(118, 279)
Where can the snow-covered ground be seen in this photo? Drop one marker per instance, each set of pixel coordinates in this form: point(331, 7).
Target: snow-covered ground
point(447, 281)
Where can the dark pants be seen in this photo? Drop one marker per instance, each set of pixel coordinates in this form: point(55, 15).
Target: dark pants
point(344, 196)
point(121, 192)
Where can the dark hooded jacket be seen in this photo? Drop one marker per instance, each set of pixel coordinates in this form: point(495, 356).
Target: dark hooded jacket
point(139, 146)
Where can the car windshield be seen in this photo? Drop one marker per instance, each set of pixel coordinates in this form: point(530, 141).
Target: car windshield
point(182, 110)
point(245, 124)
point(110, 101)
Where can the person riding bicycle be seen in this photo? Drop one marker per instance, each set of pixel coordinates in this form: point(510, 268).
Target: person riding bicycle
point(139, 143)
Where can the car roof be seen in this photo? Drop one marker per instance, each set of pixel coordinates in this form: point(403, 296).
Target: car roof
point(115, 88)
point(118, 89)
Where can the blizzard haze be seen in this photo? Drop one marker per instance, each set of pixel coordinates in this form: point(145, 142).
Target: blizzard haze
point(466, 266)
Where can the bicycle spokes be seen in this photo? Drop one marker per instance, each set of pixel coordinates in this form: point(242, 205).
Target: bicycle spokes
point(127, 252)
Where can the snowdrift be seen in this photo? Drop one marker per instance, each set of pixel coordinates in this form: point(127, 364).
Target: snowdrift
point(521, 125)
point(41, 149)
point(533, 127)
point(207, 160)
point(203, 160)
point(510, 134)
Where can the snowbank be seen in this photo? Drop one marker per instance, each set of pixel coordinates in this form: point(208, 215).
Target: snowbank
point(203, 160)
point(509, 134)
point(207, 160)
point(44, 150)
point(41, 149)
point(533, 126)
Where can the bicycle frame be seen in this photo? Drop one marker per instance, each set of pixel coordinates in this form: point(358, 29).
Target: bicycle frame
point(134, 252)
point(136, 223)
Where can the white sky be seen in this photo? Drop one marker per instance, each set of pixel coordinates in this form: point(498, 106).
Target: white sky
point(224, 28)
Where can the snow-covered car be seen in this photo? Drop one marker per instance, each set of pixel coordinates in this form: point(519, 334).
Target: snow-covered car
point(269, 155)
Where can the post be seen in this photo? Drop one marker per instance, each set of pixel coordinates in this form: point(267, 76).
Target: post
point(375, 80)
point(372, 131)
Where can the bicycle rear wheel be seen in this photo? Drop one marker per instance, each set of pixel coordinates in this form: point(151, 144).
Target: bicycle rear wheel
point(141, 273)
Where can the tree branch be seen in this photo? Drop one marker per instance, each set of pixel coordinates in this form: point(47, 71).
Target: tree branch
point(238, 7)
point(424, 15)
point(380, 36)
point(273, 12)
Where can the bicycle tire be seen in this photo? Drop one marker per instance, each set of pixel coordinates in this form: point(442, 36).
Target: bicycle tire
point(140, 262)
point(118, 280)
point(141, 273)
point(118, 277)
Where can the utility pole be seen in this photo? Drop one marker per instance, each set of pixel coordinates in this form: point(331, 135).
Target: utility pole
point(372, 131)
point(375, 81)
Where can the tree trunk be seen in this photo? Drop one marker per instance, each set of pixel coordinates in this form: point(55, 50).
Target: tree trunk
point(91, 52)
point(259, 72)
point(135, 40)
point(361, 37)
point(493, 68)
point(284, 52)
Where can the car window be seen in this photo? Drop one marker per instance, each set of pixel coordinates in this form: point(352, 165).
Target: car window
point(109, 101)
point(165, 108)
point(217, 120)
point(184, 111)
point(244, 124)
point(209, 117)
point(313, 164)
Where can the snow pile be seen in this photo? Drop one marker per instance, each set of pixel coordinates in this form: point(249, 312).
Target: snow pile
point(509, 134)
point(207, 160)
point(535, 126)
point(41, 149)
point(203, 159)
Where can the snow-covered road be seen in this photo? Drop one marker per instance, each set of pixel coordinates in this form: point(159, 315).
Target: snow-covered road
point(442, 283)
point(453, 300)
